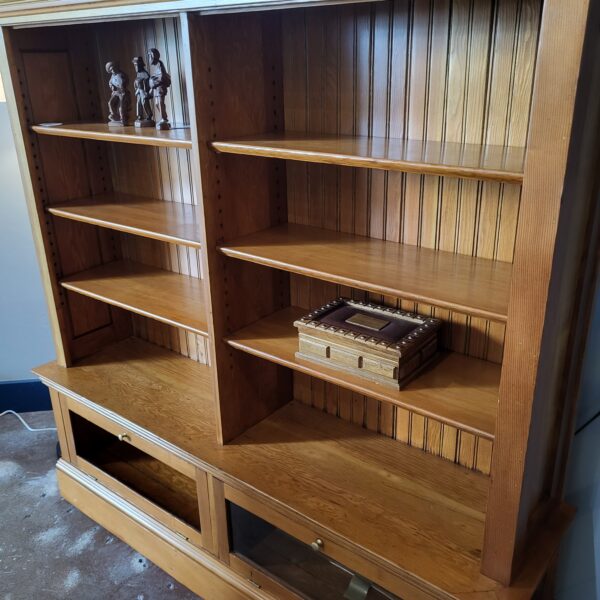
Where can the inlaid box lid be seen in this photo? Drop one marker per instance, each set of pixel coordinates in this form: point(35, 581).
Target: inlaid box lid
point(371, 324)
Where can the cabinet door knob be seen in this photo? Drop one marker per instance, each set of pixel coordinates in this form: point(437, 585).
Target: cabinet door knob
point(123, 437)
point(317, 545)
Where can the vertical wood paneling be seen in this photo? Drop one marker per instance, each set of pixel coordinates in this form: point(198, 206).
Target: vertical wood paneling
point(161, 173)
point(53, 82)
point(450, 70)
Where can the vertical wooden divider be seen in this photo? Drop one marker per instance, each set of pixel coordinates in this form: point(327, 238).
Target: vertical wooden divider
point(234, 77)
point(516, 489)
point(61, 428)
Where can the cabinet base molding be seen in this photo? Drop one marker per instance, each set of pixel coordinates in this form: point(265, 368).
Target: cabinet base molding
point(197, 570)
point(208, 577)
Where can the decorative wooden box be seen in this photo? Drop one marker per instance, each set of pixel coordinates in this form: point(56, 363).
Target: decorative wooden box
point(382, 344)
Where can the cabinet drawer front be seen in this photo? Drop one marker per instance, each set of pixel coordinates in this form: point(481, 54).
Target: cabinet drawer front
point(131, 436)
point(170, 490)
point(302, 531)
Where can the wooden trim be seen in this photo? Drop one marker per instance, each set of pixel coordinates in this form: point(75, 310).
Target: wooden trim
point(206, 523)
point(405, 588)
point(476, 286)
point(471, 161)
point(29, 13)
point(145, 290)
point(175, 524)
point(195, 569)
point(136, 436)
point(561, 41)
point(258, 577)
point(69, 437)
point(172, 222)
point(187, 42)
point(61, 427)
point(220, 525)
point(581, 261)
point(178, 137)
point(212, 109)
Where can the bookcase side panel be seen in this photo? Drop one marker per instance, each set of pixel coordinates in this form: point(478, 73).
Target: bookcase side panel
point(51, 71)
point(522, 434)
point(235, 62)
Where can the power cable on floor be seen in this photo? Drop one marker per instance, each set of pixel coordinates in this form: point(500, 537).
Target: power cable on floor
point(34, 429)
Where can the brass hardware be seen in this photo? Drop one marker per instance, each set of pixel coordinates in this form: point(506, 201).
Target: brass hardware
point(317, 545)
point(124, 437)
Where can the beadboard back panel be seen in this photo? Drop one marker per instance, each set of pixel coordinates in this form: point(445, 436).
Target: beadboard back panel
point(75, 88)
point(452, 71)
point(54, 82)
point(154, 172)
point(446, 71)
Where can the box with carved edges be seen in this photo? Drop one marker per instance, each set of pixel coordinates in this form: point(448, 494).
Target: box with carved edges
point(379, 343)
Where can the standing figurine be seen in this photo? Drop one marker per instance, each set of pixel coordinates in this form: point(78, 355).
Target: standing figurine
point(160, 82)
point(118, 105)
point(143, 95)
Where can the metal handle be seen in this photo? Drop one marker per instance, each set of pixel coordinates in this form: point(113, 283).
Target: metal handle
point(123, 437)
point(317, 545)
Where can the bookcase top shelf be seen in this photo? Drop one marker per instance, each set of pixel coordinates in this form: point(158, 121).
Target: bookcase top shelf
point(475, 286)
point(473, 161)
point(166, 221)
point(168, 297)
point(178, 137)
point(416, 512)
point(459, 390)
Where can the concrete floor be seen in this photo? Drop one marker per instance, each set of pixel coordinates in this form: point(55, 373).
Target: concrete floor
point(48, 549)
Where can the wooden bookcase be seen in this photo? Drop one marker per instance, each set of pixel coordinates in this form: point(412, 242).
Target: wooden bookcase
point(433, 156)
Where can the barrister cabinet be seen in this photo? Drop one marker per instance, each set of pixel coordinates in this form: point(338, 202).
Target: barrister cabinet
point(436, 156)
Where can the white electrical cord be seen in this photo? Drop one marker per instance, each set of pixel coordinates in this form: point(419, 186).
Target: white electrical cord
point(34, 429)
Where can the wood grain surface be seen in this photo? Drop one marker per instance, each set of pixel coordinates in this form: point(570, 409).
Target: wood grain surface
point(491, 163)
point(457, 390)
point(529, 411)
point(178, 137)
point(166, 221)
point(393, 495)
point(197, 570)
point(475, 286)
point(162, 295)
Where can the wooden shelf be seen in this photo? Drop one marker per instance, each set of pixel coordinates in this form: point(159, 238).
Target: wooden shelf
point(179, 137)
point(458, 390)
point(166, 221)
point(476, 286)
point(158, 390)
point(168, 297)
point(474, 161)
point(414, 512)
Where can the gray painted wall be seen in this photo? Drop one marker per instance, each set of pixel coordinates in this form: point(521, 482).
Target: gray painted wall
point(25, 338)
point(25, 341)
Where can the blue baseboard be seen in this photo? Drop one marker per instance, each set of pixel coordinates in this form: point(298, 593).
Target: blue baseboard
point(28, 395)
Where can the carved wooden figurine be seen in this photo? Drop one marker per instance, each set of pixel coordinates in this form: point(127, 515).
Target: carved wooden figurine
point(119, 103)
point(143, 94)
point(160, 82)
